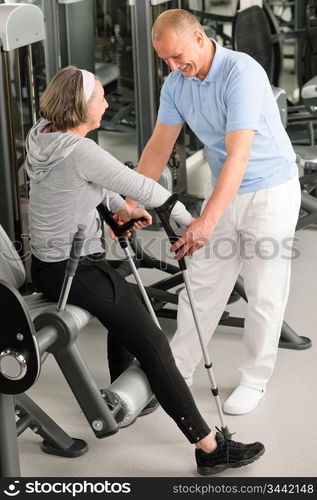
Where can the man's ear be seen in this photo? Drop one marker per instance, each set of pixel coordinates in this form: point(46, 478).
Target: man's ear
point(199, 38)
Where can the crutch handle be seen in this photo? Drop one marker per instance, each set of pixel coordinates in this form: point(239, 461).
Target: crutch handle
point(164, 212)
point(75, 251)
point(116, 228)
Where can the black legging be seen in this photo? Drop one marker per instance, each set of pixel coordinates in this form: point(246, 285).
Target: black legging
point(102, 291)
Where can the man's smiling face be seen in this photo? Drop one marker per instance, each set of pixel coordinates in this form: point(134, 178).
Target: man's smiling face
point(183, 53)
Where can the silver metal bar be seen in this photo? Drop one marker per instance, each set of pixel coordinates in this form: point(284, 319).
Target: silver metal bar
point(30, 78)
point(141, 287)
point(52, 45)
point(6, 185)
point(46, 338)
point(9, 454)
point(11, 135)
point(67, 283)
point(203, 347)
point(143, 64)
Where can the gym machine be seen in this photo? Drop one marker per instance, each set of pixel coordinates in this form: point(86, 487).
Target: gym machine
point(21, 72)
point(24, 345)
point(36, 40)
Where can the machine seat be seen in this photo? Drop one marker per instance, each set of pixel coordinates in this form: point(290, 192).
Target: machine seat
point(37, 303)
point(12, 271)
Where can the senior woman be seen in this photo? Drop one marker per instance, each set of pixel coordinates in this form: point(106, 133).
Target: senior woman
point(69, 176)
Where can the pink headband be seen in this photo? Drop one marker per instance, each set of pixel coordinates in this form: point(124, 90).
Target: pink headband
point(88, 83)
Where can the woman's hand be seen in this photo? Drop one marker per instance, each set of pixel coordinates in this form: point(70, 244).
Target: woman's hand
point(193, 220)
point(127, 213)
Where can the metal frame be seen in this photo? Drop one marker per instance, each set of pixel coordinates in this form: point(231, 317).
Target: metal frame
point(52, 44)
point(56, 332)
point(6, 187)
point(22, 15)
point(9, 454)
point(143, 64)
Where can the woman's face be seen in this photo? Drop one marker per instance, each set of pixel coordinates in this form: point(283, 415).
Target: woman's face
point(96, 107)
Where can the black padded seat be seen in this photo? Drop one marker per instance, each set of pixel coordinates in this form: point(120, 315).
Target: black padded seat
point(37, 303)
point(252, 35)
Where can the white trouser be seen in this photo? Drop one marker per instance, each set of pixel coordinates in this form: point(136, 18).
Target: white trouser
point(253, 237)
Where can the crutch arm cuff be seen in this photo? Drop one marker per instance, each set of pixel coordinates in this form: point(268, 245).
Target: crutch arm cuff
point(164, 212)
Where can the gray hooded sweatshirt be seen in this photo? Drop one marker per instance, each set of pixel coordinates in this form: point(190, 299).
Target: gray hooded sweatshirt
point(69, 176)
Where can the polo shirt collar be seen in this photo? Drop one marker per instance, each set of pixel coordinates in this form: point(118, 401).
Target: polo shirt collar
point(215, 72)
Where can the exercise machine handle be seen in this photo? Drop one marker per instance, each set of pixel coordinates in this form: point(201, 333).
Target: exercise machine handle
point(71, 267)
point(116, 228)
point(75, 251)
point(164, 212)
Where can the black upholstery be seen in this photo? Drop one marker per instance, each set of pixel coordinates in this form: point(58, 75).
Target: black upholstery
point(252, 35)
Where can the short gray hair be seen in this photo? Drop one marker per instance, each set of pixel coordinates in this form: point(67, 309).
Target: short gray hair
point(178, 20)
point(63, 103)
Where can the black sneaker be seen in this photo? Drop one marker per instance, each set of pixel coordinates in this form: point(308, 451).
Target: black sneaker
point(228, 454)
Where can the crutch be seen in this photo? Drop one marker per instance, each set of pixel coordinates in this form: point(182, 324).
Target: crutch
point(164, 213)
point(119, 231)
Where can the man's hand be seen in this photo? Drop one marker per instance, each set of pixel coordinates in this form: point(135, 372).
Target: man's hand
point(127, 213)
point(197, 235)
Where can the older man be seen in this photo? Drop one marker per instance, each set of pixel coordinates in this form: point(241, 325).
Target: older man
point(252, 209)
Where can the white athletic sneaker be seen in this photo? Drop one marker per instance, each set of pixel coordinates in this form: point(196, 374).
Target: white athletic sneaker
point(243, 400)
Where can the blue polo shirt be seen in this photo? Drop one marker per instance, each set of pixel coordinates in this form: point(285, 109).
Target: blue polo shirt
point(235, 95)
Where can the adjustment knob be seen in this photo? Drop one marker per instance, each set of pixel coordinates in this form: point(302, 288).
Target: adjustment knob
point(13, 364)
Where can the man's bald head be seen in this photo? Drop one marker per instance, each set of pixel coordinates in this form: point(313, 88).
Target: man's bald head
point(178, 20)
point(180, 40)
